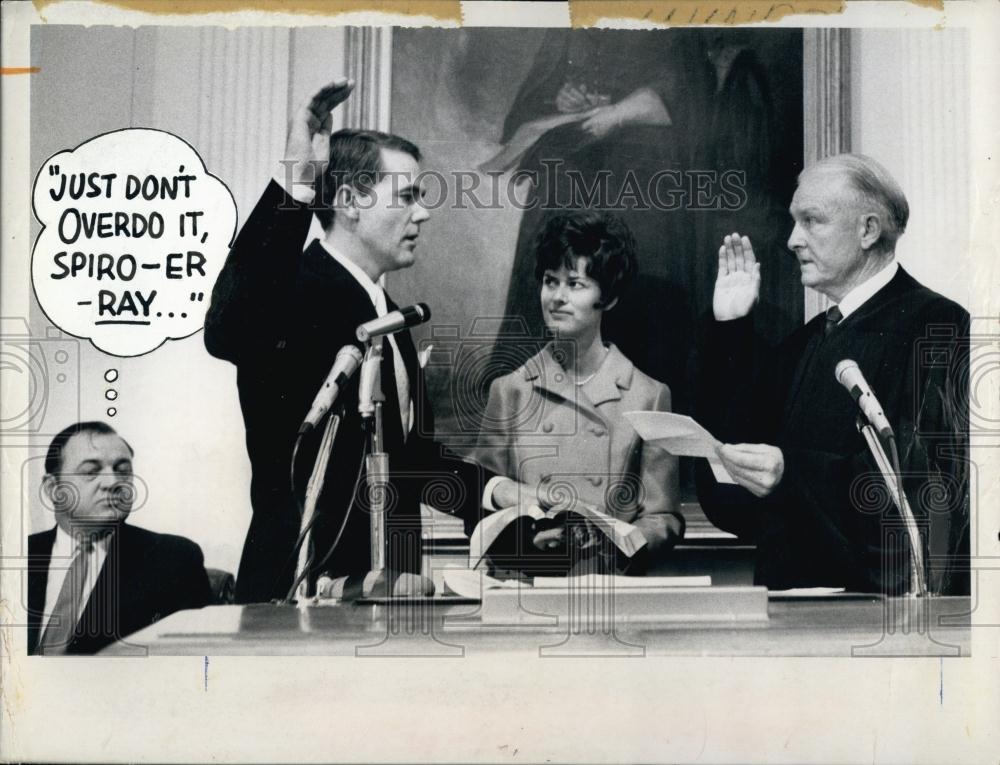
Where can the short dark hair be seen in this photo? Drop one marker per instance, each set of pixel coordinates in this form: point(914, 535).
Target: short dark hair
point(355, 159)
point(53, 458)
point(602, 238)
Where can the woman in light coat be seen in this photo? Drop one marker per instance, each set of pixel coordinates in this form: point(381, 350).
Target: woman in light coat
point(556, 426)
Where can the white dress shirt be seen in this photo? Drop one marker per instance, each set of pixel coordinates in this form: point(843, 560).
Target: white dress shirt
point(861, 294)
point(305, 195)
point(63, 549)
point(377, 296)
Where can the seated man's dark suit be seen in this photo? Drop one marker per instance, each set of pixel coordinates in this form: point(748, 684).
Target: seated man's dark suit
point(826, 522)
point(280, 315)
point(146, 576)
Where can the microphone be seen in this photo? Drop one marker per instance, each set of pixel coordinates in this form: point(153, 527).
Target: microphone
point(849, 375)
point(394, 321)
point(345, 365)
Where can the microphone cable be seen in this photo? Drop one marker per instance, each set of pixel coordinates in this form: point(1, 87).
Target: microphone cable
point(897, 470)
point(340, 532)
point(350, 506)
point(301, 508)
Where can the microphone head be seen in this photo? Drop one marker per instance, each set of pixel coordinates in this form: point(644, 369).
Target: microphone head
point(348, 360)
point(843, 369)
point(415, 314)
point(350, 350)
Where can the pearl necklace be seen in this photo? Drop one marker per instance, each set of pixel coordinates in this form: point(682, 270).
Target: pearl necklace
point(586, 380)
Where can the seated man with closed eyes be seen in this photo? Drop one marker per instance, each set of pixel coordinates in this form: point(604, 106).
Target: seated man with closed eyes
point(93, 579)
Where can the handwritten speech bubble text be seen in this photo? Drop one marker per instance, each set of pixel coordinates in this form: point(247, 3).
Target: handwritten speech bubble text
point(135, 232)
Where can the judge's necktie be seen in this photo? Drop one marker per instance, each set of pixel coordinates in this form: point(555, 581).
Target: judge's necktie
point(62, 622)
point(833, 317)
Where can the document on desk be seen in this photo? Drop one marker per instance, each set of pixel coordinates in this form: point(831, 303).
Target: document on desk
point(618, 581)
point(472, 584)
point(469, 583)
point(681, 436)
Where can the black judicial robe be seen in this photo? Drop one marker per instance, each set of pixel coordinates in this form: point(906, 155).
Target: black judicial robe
point(831, 522)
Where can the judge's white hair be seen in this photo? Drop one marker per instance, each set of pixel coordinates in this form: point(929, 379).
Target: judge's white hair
point(877, 191)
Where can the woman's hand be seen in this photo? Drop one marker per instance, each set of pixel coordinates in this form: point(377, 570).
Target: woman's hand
point(550, 539)
point(508, 493)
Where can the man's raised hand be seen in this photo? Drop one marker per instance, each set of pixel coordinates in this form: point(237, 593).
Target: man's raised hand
point(737, 286)
point(309, 129)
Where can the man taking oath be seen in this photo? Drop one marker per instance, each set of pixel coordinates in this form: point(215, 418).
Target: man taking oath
point(281, 313)
point(808, 491)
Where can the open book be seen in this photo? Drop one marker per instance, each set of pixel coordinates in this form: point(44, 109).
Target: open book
point(626, 537)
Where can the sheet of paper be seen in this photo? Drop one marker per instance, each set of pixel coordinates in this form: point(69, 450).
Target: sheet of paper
point(806, 592)
point(679, 435)
point(470, 584)
point(620, 582)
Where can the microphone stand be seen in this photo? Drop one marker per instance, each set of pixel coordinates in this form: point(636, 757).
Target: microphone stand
point(894, 482)
point(371, 399)
point(313, 489)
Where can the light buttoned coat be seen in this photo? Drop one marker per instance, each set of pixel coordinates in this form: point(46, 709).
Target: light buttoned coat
point(543, 430)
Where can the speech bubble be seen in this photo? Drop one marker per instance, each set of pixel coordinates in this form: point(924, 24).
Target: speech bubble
point(134, 233)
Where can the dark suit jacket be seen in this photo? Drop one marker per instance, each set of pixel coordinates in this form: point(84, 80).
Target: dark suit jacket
point(146, 576)
point(830, 521)
point(280, 315)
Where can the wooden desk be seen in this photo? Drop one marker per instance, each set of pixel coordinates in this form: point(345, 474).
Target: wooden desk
point(861, 625)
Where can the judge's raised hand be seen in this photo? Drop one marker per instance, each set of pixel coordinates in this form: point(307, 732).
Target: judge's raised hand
point(737, 286)
point(309, 130)
point(758, 468)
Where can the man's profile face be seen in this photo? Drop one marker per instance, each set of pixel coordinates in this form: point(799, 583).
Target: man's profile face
point(391, 214)
point(827, 235)
point(94, 484)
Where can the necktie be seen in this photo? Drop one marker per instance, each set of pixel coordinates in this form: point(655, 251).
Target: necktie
point(62, 623)
point(833, 317)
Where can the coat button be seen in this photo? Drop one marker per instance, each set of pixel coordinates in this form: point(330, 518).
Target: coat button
point(596, 480)
point(547, 427)
point(599, 432)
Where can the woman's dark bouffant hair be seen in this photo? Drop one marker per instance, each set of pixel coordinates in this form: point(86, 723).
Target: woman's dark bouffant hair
point(602, 238)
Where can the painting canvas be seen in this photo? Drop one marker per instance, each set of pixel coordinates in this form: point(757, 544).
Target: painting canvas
point(703, 136)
